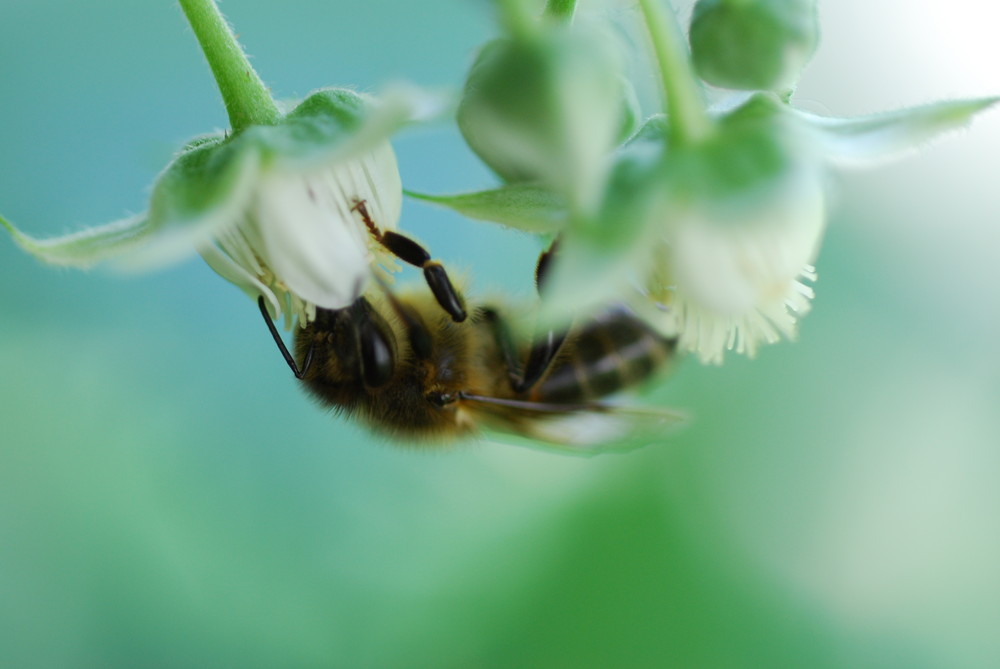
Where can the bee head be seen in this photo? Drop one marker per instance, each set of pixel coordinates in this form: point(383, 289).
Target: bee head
point(352, 348)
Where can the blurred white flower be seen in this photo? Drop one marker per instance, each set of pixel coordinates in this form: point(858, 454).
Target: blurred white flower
point(733, 274)
point(744, 213)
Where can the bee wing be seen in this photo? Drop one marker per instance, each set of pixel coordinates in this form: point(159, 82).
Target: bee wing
point(582, 429)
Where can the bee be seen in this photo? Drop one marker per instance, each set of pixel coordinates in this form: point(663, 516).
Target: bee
point(424, 368)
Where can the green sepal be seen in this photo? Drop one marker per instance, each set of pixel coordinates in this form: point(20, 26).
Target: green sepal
point(753, 147)
point(753, 44)
point(208, 186)
point(84, 248)
point(528, 207)
point(870, 140)
point(631, 111)
point(316, 126)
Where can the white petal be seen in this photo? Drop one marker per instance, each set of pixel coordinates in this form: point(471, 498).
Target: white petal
point(318, 251)
point(731, 274)
point(232, 272)
point(731, 261)
point(373, 178)
point(308, 233)
point(709, 334)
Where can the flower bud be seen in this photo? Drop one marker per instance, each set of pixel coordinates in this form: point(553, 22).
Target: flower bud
point(548, 107)
point(753, 44)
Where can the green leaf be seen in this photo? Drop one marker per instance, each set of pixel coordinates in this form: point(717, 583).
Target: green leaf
point(528, 207)
point(869, 140)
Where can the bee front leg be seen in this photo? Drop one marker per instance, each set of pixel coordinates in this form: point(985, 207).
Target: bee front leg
point(413, 253)
point(546, 344)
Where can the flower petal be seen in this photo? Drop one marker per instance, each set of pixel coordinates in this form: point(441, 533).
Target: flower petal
point(871, 140)
point(313, 240)
point(235, 274)
point(732, 259)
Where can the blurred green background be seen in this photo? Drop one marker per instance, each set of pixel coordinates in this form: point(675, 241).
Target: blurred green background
point(168, 497)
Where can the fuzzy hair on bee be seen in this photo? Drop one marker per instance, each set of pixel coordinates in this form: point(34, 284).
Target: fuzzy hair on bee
point(368, 363)
point(405, 368)
point(423, 368)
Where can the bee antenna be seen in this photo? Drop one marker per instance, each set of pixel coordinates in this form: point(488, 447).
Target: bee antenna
point(299, 374)
point(531, 405)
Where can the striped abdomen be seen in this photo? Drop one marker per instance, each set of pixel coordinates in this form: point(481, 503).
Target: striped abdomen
point(612, 352)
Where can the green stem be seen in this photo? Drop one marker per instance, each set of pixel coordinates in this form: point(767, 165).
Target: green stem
point(516, 18)
point(247, 100)
point(560, 10)
point(685, 106)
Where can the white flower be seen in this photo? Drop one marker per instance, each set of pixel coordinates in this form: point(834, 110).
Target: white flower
point(737, 231)
point(731, 276)
point(278, 210)
point(299, 240)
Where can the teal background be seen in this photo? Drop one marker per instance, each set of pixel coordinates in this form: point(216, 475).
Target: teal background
point(168, 497)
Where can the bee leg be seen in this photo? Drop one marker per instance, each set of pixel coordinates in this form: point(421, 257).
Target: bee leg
point(299, 373)
point(505, 343)
point(546, 344)
point(413, 253)
point(544, 265)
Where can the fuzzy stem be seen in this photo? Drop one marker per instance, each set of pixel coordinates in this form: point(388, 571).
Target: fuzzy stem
point(688, 120)
point(560, 10)
point(247, 100)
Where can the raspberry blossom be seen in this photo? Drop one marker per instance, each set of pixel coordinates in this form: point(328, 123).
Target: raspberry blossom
point(710, 221)
point(270, 205)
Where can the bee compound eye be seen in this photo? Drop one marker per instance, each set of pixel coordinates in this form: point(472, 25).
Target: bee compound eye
point(377, 359)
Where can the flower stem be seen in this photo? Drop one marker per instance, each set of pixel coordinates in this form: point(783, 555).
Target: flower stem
point(247, 100)
point(560, 10)
point(516, 18)
point(685, 106)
